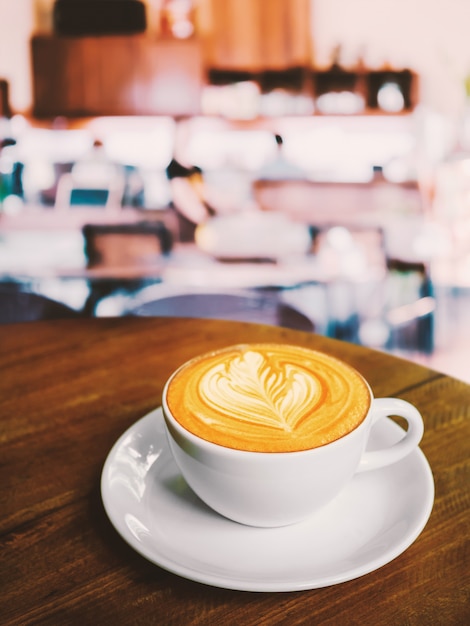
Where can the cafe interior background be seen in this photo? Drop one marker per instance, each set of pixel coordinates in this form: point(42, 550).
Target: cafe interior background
point(333, 138)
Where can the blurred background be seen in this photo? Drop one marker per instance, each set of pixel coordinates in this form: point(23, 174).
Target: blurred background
point(309, 154)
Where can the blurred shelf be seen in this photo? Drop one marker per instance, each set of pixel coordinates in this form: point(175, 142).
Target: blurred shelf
point(86, 76)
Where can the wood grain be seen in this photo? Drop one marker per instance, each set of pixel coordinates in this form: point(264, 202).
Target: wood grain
point(69, 389)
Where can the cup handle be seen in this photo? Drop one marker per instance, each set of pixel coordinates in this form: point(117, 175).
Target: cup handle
point(384, 407)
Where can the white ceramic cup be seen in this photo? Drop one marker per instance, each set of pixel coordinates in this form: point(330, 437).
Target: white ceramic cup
point(270, 489)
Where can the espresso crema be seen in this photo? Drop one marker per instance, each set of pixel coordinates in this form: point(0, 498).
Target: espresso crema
point(268, 397)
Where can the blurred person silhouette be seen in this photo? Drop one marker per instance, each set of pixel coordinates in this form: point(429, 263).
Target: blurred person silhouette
point(187, 185)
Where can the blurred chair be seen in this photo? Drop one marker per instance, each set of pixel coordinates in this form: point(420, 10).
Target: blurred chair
point(258, 307)
point(123, 256)
point(126, 245)
point(23, 306)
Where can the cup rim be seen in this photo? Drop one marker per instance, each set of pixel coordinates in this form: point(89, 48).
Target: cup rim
point(217, 448)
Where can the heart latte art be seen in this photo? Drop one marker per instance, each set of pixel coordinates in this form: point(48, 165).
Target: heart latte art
point(268, 397)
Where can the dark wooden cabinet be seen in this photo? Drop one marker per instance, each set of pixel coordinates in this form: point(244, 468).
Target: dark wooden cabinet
point(116, 75)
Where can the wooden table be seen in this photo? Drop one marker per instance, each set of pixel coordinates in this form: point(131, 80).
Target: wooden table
point(69, 389)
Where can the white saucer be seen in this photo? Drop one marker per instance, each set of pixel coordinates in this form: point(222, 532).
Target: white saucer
point(372, 521)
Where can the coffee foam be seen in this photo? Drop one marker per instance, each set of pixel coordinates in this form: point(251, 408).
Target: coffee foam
point(268, 397)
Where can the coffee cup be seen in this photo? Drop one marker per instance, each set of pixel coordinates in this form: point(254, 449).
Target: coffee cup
point(267, 434)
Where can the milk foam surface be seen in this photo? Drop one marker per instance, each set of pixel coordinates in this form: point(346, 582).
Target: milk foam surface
point(268, 397)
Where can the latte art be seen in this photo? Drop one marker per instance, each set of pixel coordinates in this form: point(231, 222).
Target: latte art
point(268, 397)
point(260, 390)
